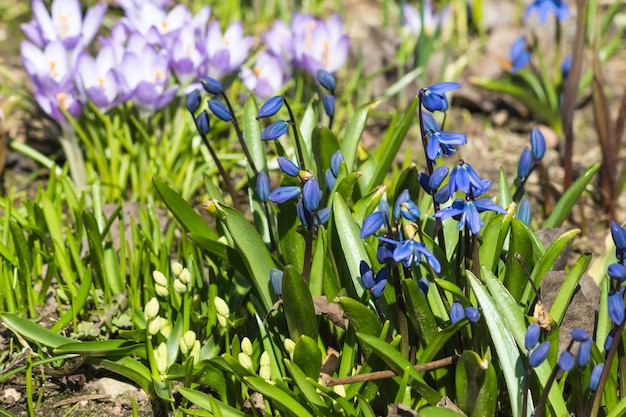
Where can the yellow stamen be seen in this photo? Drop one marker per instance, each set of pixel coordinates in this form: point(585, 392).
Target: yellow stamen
point(62, 99)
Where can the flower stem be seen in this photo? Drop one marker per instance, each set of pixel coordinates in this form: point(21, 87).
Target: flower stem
point(292, 122)
point(240, 135)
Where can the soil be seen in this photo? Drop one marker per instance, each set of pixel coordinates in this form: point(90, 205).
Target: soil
point(497, 129)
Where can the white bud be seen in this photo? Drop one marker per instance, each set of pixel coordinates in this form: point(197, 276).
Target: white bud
point(161, 358)
point(223, 321)
point(264, 366)
point(179, 287)
point(154, 326)
point(177, 267)
point(159, 278)
point(151, 309)
point(246, 346)
point(166, 330)
point(195, 352)
point(221, 307)
point(185, 276)
point(187, 341)
point(245, 361)
point(290, 346)
point(161, 291)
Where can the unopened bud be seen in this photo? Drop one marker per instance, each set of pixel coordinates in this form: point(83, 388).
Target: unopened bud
point(195, 352)
point(159, 278)
point(161, 291)
point(166, 330)
point(290, 346)
point(179, 287)
point(245, 360)
point(185, 276)
point(154, 326)
point(264, 366)
point(161, 358)
point(177, 268)
point(151, 310)
point(187, 341)
point(246, 346)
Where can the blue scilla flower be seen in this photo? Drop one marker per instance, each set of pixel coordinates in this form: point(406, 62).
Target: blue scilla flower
point(329, 104)
point(519, 55)
point(617, 272)
point(595, 376)
point(431, 183)
point(472, 314)
point(464, 178)
point(372, 223)
point(275, 130)
point(276, 278)
point(211, 85)
point(374, 283)
point(566, 361)
point(532, 336)
point(537, 144)
point(423, 285)
point(525, 163)
point(616, 306)
point(220, 110)
point(457, 313)
point(584, 353)
point(307, 217)
point(193, 101)
point(202, 123)
point(566, 66)
point(539, 355)
point(333, 172)
point(402, 197)
point(466, 212)
point(523, 211)
point(411, 252)
point(263, 186)
point(410, 211)
point(311, 194)
point(285, 193)
point(609, 340)
point(619, 238)
point(384, 252)
point(271, 107)
point(545, 7)
point(326, 80)
point(434, 97)
point(440, 142)
point(288, 166)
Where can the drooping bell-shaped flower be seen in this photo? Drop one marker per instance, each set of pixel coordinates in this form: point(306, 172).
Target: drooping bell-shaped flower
point(434, 97)
point(211, 85)
point(326, 79)
point(263, 186)
point(288, 166)
point(566, 361)
point(472, 314)
point(457, 313)
point(271, 107)
point(193, 101)
point(220, 110)
point(519, 55)
point(537, 144)
point(525, 164)
point(532, 336)
point(275, 130)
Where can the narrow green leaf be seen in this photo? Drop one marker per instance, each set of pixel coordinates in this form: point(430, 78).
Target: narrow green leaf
point(352, 137)
point(252, 134)
point(398, 364)
point(419, 312)
point(33, 331)
point(567, 201)
point(77, 305)
point(106, 348)
point(476, 385)
point(504, 192)
point(520, 246)
point(207, 402)
point(351, 243)
point(494, 235)
point(307, 356)
point(308, 391)
point(316, 280)
point(281, 399)
point(564, 297)
point(545, 263)
point(129, 368)
point(298, 305)
point(361, 318)
point(437, 412)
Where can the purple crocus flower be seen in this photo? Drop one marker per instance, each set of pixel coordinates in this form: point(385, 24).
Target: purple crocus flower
point(146, 74)
point(278, 40)
point(320, 44)
point(187, 56)
point(155, 24)
point(412, 18)
point(64, 23)
point(225, 52)
point(98, 79)
point(130, 5)
point(269, 75)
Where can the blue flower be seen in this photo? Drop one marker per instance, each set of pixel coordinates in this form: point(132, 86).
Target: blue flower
point(276, 278)
point(410, 252)
point(263, 186)
point(288, 166)
point(439, 142)
point(544, 7)
point(372, 223)
point(609, 340)
point(410, 211)
point(193, 101)
point(311, 194)
point(616, 307)
point(566, 65)
point(281, 194)
point(525, 164)
point(580, 335)
point(434, 98)
point(376, 284)
point(463, 177)
point(617, 272)
point(519, 55)
point(326, 79)
point(202, 123)
point(619, 238)
point(270, 107)
point(472, 314)
point(423, 285)
point(329, 104)
point(537, 144)
point(403, 197)
point(456, 312)
point(467, 212)
point(384, 252)
point(566, 361)
point(532, 336)
point(306, 216)
point(220, 110)
point(523, 211)
point(539, 355)
point(595, 376)
point(584, 353)
point(275, 130)
point(211, 85)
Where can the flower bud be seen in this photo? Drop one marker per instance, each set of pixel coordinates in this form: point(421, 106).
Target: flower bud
point(285, 193)
point(472, 314)
point(290, 346)
point(245, 361)
point(288, 166)
point(159, 278)
point(177, 268)
point(372, 223)
point(220, 110)
point(154, 326)
point(595, 376)
point(616, 307)
point(523, 211)
point(221, 307)
point(193, 101)
point(326, 79)
point(195, 352)
point(263, 186)
point(161, 291)
point(161, 358)
point(525, 163)
point(532, 336)
point(276, 278)
point(187, 341)
point(539, 355)
point(185, 276)
point(566, 361)
point(275, 130)
point(311, 194)
point(456, 312)
point(246, 346)
point(202, 123)
point(270, 107)
point(151, 310)
point(211, 85)
point(179, 287)
point(329, 104)
point(580, 335)
point(264, 367)
point(584, 353)
point(537, 143)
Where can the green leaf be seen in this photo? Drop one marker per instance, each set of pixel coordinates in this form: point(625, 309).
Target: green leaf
point(352, 137)
point(351, 243)
point(546, 262)
point(129, 368)
point(398, 364)
point(508, 353)
point(564, 297)
point(33, 331)
point(307, 356)
point(494, 234)
point(520, 245)
point(361, 318)
point(308, 390)
point(281, 399)
point(207, 402)
point(504, 192)
point(324, 145)
point(298, 305)
point(564, 206)
point(419, 312)
point(476, 385)
point(316, 280)
point(437, 412)
point(252, 249)
point(252, 134)
point(78, 303)
point(508, 310)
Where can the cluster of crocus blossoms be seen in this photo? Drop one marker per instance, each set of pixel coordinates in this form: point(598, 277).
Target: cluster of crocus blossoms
point(153, 54)
point(309, 43)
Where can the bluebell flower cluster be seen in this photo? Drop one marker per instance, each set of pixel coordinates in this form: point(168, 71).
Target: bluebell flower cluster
point(375, 283)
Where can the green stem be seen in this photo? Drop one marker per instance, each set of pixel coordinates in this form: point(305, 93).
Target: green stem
point(74, 157)
point(240, 135)
point(292, 122)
